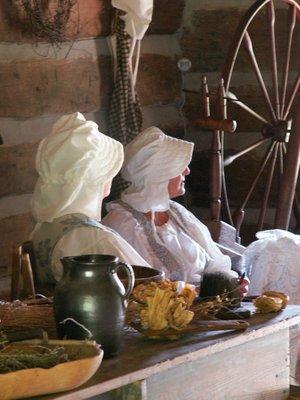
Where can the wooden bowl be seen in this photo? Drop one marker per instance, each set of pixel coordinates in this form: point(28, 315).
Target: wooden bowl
point(65, 376)
point(142, 275)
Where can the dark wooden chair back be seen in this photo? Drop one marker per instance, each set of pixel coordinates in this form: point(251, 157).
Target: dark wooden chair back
point(22, 277)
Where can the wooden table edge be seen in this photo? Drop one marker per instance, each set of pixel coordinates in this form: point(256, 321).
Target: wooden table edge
point(251, 333)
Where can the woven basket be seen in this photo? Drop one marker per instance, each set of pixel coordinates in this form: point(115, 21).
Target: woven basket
point(28, 314)
point(17, 316)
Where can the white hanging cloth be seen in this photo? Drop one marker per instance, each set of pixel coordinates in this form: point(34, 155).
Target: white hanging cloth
point(138, 15)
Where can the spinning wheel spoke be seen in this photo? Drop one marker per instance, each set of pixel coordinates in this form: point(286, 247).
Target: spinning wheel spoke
point(230, 159)
point(292, 98)
point(291, 23)
point(284, 148)
point(263, 209)
point(239, 213)
point(249, 48)
point(232, 97)
point(281, 159)
point(271, 17)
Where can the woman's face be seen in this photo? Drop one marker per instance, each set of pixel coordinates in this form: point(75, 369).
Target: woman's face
point(176, 186)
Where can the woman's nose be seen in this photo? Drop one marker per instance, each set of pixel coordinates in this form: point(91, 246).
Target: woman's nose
point(186, 171)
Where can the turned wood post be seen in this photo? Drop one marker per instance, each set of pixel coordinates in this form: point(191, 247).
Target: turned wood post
point(215, 186)
point(289, 177)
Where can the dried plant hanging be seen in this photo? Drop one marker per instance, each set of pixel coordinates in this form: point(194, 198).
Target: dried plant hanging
point(45, 19)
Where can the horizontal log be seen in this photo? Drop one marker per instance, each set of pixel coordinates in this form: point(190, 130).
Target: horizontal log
point(38, 87)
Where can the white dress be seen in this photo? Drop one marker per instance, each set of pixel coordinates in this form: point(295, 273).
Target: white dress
point(93, 241)
point(74, 235)
point(191, 246)
point(273, 263)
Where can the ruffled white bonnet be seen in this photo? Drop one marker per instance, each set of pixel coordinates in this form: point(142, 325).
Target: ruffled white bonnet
point(151, 160)
point(73, 163)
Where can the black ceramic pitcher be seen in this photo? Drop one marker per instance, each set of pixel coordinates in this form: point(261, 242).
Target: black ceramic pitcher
point(90, 300)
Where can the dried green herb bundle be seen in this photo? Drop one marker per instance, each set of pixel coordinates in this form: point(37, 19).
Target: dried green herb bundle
point(42, 20)
point(39, 357)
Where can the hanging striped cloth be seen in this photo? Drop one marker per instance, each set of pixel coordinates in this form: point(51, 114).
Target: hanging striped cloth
point(125, 115)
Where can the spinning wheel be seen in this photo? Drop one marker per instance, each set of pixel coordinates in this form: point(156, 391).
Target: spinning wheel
point(279, 134)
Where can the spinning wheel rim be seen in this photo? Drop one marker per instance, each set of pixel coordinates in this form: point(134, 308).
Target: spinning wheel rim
point(275, 129)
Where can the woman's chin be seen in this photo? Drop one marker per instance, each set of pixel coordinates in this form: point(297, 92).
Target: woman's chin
point(177, 194)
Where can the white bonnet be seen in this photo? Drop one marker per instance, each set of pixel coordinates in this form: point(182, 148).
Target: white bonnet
point(151, 160)
point(73, 163)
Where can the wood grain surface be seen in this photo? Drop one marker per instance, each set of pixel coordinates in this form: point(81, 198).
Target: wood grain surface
point(143, 359)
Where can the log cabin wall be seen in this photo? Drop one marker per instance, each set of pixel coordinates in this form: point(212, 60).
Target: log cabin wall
point(39, 83)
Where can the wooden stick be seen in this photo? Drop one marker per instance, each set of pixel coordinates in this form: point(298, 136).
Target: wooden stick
point(225, 125)
point(205, 94)
point(203, 326)
point(222, 99)
point(27, 276)
point(15, 273)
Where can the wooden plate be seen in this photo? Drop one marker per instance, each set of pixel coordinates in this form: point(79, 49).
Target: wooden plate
point(65, 376)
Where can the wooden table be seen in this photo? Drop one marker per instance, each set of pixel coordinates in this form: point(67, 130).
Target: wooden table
point(253, 364)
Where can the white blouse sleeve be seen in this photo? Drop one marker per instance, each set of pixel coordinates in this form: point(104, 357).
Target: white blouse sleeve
point(93, 241)
point(200, 233)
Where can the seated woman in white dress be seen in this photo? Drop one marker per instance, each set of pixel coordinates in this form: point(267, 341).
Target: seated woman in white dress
point(162, 231)
point(76, 164)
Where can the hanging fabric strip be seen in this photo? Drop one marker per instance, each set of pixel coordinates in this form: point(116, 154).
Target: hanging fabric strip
point(125, 116)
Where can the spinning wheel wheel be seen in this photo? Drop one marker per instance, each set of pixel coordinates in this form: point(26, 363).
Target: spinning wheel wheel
point(279, 94)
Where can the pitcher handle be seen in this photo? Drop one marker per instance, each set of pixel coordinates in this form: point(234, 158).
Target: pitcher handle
point(131, 279)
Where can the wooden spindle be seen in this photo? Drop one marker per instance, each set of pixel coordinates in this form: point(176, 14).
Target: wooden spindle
point(225, 125)
point(205, 98)
point(215, 177)
point(222, 99)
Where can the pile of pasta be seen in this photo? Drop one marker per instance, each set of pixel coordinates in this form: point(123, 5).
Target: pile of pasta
point(165, 304)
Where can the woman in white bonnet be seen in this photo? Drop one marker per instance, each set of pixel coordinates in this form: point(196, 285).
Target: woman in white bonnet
point(162, 231)
point(76, 164)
